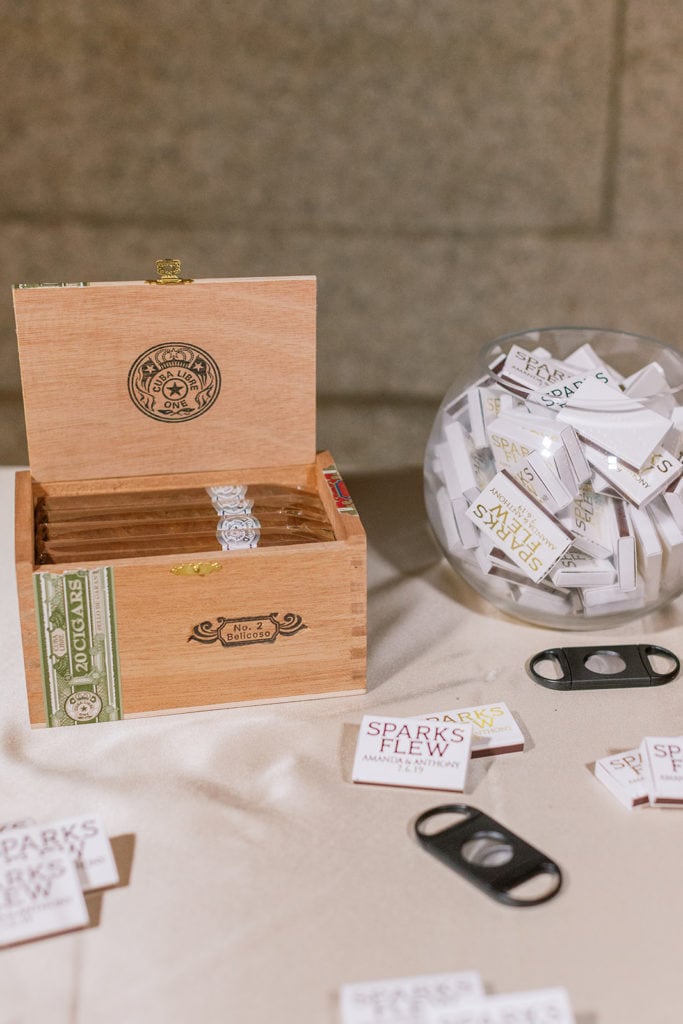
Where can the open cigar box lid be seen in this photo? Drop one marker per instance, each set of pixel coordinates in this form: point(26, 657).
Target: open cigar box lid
point(142, 378)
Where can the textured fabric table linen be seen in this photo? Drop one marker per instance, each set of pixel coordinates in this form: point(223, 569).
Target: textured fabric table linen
point(257, 878)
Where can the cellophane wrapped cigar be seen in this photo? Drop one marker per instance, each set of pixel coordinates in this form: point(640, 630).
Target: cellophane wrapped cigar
point(218, 519)
point(242, 532)
point(125, 528)
point(81, 519)
point(158, 504)
point(171, 522)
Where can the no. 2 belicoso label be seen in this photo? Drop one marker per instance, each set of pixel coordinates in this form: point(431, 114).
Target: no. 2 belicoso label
point(250, 629)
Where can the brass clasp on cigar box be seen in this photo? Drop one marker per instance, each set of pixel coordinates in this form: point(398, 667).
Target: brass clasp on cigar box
point(168, 272)
point(196, 568)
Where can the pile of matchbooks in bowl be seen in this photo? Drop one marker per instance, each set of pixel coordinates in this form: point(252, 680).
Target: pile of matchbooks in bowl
point(554, 480)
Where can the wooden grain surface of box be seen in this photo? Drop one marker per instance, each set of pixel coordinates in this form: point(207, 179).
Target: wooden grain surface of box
point(228, 367)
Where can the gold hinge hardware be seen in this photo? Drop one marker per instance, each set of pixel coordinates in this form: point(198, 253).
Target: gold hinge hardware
point(168, 272)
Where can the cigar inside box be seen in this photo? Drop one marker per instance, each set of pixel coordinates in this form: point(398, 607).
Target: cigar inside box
point(130, 525)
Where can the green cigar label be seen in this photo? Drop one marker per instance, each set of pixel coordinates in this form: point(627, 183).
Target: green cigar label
point(79, 647)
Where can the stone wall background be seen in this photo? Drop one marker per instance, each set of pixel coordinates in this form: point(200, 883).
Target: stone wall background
point(450, 169)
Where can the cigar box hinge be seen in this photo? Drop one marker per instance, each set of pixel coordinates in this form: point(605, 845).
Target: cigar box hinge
point(168, 272)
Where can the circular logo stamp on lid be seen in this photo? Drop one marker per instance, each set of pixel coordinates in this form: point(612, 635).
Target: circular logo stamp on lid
point(83, 705)
point(174, 382)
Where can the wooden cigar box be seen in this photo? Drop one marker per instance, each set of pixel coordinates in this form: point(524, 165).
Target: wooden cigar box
point(167, 384)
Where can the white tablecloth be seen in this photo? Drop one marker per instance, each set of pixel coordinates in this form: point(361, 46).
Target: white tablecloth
point(258, 878)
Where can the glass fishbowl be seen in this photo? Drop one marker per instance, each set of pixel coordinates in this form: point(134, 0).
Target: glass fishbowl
point(553, 476)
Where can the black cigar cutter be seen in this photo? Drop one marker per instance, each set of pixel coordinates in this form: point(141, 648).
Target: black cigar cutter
point(603, 668)
point(489, 855)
